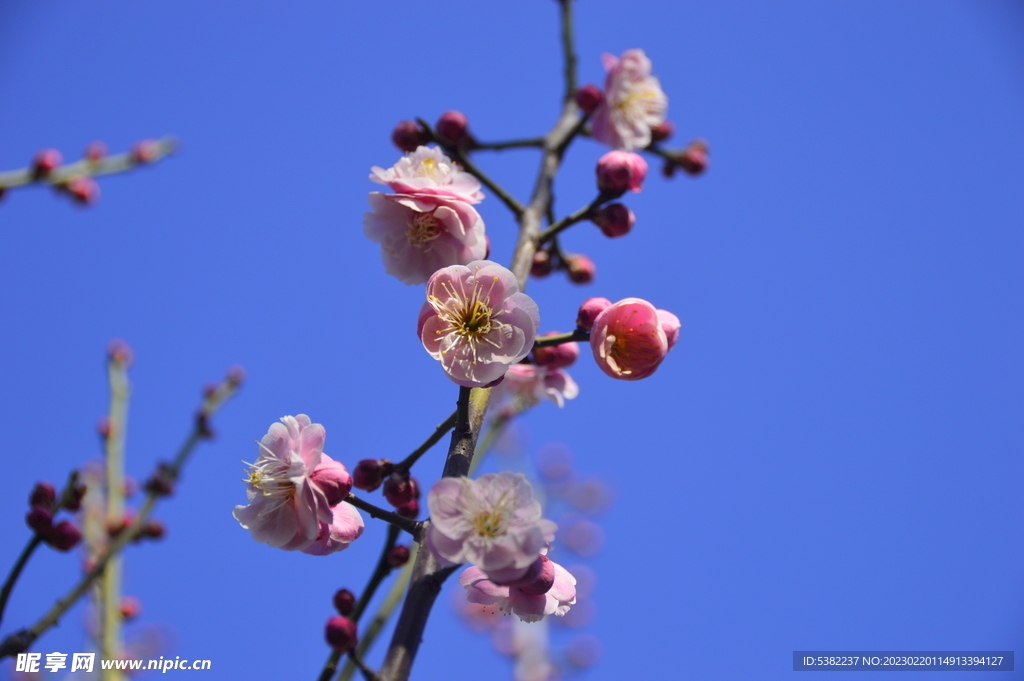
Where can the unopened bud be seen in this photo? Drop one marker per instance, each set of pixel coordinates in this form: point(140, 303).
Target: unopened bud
point(367, 475)
point(341, 634)
point(145, 151)
point(131, 607)
point(408, 135)
point(618, 171)
point(581, 269)
point(556, 356)
point(694, 159)
point(615, 220)
point(589, 310)
point(154, 529)
point(333, 480)
point(589, 97)
point(236, 375)
point(74, 498)
point(453, 127)
point(39, 519)
point(539, 577)
point(119, 351)
point(64, 536)
point(399, 489)
point(45, 162)
point(398, 556)
point(103, 427)
point(43, 494)
point(668, 169)
point(662, 131)
point(161, 483)
point(95, 151)
point(83, 190)
point(344, 601)
point(542, 264)
point(410, 510)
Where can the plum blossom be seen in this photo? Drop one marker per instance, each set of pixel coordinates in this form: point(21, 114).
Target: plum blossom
point(521, 600)
point(421, 233)
point(476, 322)
point(428, 171)
point(631, 338)
point(286, 508)
point(526, 385)
point(633, 102)
point(493, 522)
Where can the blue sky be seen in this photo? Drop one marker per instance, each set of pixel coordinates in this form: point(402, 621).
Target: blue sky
point(830, 458)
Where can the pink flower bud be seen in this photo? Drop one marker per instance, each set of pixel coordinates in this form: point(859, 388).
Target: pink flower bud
point(694, 158)
point(333, 480)
point(581, 269)
point(670, 325)
point(83, 190)
point(399, 489)
point(615, 220)
point(344, 601)
point(131, 607)
point(410, 510)
point(556, 356)
point(408, 135)
point(629, 339)
point(95, 151)
point(542, 265)
point(236, 375)
point(145, 151)
point(45, 162)
point(398, 556)
point(341, 634)
point(64, 536)
point(120, 352)
point(453, 127)
point(662, 131)
point(43, 494)
point(618, 171)
point(367, 475)
point(539, 577)
point(40, 519)
point(589, 310)
point(589, 97)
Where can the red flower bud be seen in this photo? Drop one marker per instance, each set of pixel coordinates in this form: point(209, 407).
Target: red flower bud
point(662, 131)
point(542, 264)
point(410, 510)
point(589, 97)
point(367, 475)
point(408, 135)
point(43, 494)
point(40, 519)
point(131, 607)
point(399, 489)
point(694, 159)
point(581, 269)
point(45, 162)
point(453, 127)
point(615, 220)
point(341, 634)
point(398, 556)
point(344, 601)
point(64, 536)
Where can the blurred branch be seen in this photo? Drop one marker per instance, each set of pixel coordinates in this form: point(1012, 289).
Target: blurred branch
point(144, 153)
point(413, 527)
point(510, 144)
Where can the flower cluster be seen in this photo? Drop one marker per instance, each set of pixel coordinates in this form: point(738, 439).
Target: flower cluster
point(429, 221)
point(633, 102)
point(296, 492)
point(495, 523)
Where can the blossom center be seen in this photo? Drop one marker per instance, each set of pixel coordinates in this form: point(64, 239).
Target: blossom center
point(470, 317)
point(271, 477)
point(635, 106)
point(423, 228)
point(490, 524)
point(427, 168)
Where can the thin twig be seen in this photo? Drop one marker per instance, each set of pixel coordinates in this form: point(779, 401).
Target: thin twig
point(108, 165)
point(510, 144)
point(413, 527)
point(576, 336)
point(109, 587)
point(469, 167)
point(368, 673)
point(407, 463)
point(569, 54)
point(569, 220)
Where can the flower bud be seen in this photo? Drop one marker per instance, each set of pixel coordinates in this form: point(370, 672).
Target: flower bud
point(161, 483)
point(670, 324)
point(367, 475)
point(145, 151)
point(154, 529)
point(344, 601)
point(74, 499)
point(662, 131)
point(398, 556)
point(581, 269)
point(64, 536)
point(40, 519)
point(103, 427)
point(694, 158)
point(453, 127)
point(236, 375)
point(408, 135)
point(333, 480)
point(629, 338)
point(95, 151)
point(45, 162)
point(341, 634)
point(539, 577)
point(668, 169)
point(83, 190)
point(589, 310)
point(618, 171)
point(556, 356)
point(131, 607)
point(589, 97)
point(43, 494)
point(119, 351)
point(615, 220)
point(410, 510)
point(542, 264)
point(399, 489)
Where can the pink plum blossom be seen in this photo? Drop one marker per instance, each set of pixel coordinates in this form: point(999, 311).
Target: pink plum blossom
point(421, 233)
point(530, 607)
point(618, 171)
point(633, 102)
point(493, 522)
point(428, 171)
point(287, 509)
point(630, 338)
point(345, 527)
point(476, 322)
point(526, 385)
